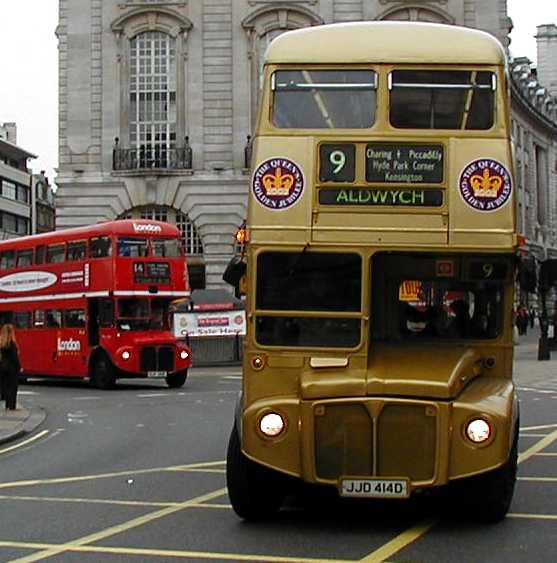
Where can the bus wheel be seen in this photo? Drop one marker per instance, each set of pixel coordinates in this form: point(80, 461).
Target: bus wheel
point(487, 498)
point(175, 380)
point(255, 491)
point(102, 373)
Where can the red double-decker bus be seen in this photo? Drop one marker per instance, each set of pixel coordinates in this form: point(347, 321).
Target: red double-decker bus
point(93, 302)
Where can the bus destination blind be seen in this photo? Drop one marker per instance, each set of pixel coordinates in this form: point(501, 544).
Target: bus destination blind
point(404, 164)
point(405, 197)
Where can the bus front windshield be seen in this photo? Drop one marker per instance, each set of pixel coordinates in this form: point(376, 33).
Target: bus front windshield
point(305, 298)
point(428, 298)
point(136, 314)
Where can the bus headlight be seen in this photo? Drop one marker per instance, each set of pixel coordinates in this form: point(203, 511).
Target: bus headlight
point(126, 355)
point(184, 355)
point(271, 424)
point(478, 430)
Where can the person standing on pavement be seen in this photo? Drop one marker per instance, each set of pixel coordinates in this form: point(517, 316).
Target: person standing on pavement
point(9, 365)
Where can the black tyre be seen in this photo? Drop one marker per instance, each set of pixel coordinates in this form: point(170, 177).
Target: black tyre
point(102, 372)
point(488, 497)
point(256, 492)
point(175, 380)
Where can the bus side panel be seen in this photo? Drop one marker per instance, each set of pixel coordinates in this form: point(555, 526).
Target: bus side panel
point(481, 221)
point(277, 218)
point(71, 352)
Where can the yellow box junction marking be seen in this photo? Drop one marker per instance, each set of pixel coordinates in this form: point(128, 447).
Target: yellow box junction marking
point(80, 545)
point(25, 442)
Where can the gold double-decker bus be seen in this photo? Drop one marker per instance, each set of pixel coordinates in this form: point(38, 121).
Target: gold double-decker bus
point(379, 271)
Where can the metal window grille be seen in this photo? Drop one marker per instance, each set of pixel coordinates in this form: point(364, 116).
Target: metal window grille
point(154, 213)
point(190, 237)
point(152, 97)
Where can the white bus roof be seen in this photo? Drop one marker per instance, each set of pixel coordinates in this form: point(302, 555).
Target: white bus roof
point(386, 42)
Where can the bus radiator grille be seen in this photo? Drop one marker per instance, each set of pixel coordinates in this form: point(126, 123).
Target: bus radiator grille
point(157, 358)
point(406, 443)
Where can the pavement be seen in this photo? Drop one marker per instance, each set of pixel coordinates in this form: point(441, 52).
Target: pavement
point(18, 423)
point(24, 420)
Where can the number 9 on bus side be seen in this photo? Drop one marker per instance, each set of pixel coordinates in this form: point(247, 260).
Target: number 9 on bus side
point(336, 163)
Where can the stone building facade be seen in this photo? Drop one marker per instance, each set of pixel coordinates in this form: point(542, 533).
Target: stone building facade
point(158, 98)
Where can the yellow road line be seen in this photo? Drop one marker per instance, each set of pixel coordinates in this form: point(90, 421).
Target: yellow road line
point(542, 427)
point(91, 501)
point(401, 541)
point(131, 472)
point(527, 435)
point(538, 447)
point(25, 442)
point(533, 516)
point(540, 479)
point(112, 530)
point(546, 454)
point(200, 470)
point(168, 553)
point(412, 534)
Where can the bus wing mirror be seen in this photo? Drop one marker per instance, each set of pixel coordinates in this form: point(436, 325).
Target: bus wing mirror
point(234, 274)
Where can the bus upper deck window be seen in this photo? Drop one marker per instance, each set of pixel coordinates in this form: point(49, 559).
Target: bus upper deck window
point(77, 250)
point(7, 259)
point(324, 99)
point(442, 99)
point(100, 247)
point(40, 254)
point(166, 247)
point(130, 246)
point(24, 257)
point(55, 253)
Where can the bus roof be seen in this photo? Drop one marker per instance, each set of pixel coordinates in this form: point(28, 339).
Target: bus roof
point(386, 42)
point(126, 227)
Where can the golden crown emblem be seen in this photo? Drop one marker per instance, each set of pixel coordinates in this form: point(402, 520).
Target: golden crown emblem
point(278, 183)
point(486, 185)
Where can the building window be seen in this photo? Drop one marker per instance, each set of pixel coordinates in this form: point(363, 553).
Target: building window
point(152, 97)
point(9, 189)
point(154, 213)
point(542, 176)
point(190, 237)
point(14, 224)
point(22, 194)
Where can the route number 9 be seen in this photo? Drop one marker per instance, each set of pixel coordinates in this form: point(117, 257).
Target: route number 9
point(338, 160)
point(487, 269)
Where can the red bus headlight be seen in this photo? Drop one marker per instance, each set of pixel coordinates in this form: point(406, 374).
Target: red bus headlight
point(126, 355)
point(184, 355)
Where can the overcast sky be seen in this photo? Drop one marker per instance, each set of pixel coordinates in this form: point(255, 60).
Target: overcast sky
point(29, 63)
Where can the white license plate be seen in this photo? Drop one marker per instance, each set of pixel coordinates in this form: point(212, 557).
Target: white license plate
point(374, 488)
point(156, 374)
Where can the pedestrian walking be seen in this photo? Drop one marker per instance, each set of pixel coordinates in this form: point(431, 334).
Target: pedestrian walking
point(9, 365)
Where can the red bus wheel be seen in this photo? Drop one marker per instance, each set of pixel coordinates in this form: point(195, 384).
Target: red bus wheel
point(102, 373)
point(175, 380)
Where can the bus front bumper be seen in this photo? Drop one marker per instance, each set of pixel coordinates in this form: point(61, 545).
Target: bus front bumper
point(421, 441)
